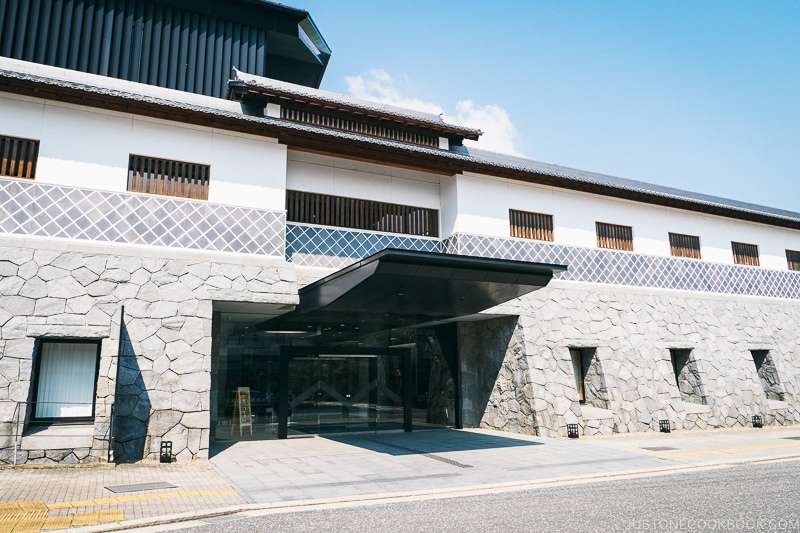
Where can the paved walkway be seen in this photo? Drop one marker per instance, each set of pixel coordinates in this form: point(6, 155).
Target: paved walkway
point(251, 475)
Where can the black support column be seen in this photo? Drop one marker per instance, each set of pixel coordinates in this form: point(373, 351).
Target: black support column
point(407, 391)
point(283, 394)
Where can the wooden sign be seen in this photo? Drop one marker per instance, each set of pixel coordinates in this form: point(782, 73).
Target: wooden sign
point(242, 412)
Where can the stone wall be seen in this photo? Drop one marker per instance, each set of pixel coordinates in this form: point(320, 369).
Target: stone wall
point(163, 392)
point(631, 332)
point(497, 391)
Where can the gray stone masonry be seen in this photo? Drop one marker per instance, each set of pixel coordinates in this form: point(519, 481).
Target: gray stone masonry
point(527, 384)
point(164, 375)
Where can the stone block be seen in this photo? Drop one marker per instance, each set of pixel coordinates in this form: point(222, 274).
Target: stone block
point(197, 421)
point(163, 421)
point(186, 401)
point(19, 348)
point(163, 309)
point(168, 381)
point(17, 305)
point(18, 256)
point(187, 363)
point(100, 288)
point(50, 273)
point(67, 287)
point(197, 382)
point(152, 347)
point(175, 292)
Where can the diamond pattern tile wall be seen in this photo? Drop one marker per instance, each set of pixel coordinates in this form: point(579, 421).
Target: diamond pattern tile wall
point(626, 268)
point(53, 211)
point(335, 248)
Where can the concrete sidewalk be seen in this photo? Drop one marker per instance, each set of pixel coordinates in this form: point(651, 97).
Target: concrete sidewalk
point(250, 475)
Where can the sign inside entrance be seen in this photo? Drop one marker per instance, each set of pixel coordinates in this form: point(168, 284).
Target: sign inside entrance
point(242, 413)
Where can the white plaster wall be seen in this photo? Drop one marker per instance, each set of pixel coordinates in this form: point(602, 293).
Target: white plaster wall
point(449, 212)
point(88, 147)
point(484, 201)
point(355, 179)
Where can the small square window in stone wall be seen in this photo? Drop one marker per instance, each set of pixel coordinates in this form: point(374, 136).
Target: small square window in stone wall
point(687, 377)
point(767, 374)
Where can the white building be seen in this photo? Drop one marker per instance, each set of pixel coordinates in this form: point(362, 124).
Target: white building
point(164, 245)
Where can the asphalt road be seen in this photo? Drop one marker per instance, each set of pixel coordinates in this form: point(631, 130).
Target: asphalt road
point(744, 497)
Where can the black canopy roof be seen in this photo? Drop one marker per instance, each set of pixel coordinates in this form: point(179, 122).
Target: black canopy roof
point(401, 288)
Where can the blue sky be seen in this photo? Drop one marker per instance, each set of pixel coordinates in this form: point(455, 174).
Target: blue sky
point(699, 95)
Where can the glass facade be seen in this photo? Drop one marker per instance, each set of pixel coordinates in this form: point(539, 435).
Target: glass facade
point(333, 380)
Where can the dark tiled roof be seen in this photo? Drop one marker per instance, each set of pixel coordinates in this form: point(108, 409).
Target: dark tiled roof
point(223, 108)
point(261, 82)
point(529, 165)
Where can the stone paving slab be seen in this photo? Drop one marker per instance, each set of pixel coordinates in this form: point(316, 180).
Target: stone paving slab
point(710, 446)
point(358, 465)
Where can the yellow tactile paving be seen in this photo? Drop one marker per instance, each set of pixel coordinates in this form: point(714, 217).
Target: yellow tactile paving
point(111, 515)
point(57, 522)
point(29, 526)
point(139, 498)
point(729, 450)
point(85, 519)
point(33, 505)
point(31, 516)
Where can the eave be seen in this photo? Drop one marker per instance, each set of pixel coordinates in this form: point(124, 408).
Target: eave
point(331, 142)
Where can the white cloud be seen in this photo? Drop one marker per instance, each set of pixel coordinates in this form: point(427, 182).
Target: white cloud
point(499, 133)
point(379, 87)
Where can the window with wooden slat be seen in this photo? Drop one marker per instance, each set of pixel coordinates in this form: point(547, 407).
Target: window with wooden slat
point(745, 254)
point(614, 236)
point(18, 157)
point(527, 225)
point(168, 178)
point(346, 124)
point(793, 258)
point(684, 245)
point(327, 210)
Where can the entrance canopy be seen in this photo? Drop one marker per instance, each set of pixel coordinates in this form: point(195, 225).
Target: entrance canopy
point(402, 288)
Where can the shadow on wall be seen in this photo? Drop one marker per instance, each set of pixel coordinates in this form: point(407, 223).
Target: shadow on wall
point(492, 378)
point(132, 405)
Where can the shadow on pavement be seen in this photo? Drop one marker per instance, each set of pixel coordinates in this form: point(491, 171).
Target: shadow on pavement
point(431, 441)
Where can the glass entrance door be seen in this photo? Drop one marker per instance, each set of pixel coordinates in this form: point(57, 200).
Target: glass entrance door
point(332, 394)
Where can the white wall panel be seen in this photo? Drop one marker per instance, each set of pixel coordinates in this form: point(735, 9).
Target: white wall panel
point(21, 116)
point(355, 179)
point(247, 171)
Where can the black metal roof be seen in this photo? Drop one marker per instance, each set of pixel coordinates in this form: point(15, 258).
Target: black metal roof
point(189, 45)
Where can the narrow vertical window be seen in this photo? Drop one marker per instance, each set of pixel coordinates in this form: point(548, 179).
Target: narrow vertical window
point(577, 371)
point(745, 254)
point(793, 259)
point(684, 245)
point(18, 157)
point(527, 225)
point(767, 374)
point(614, 237)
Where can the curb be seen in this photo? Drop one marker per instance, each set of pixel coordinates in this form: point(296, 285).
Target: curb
point(260, 509)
